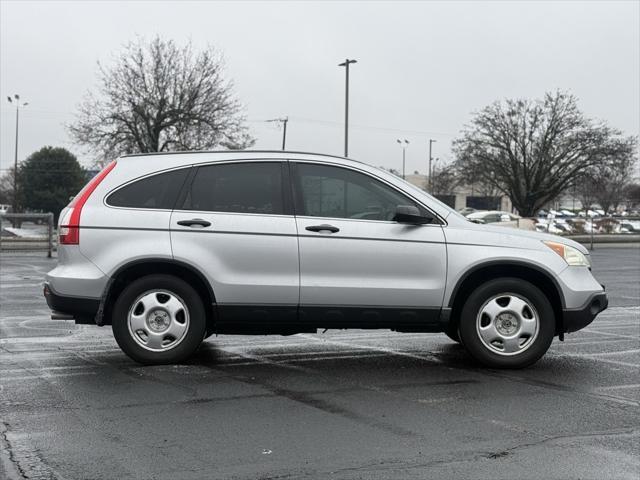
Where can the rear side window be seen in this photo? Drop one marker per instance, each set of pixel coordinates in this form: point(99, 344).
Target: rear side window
point(158, 191)
point(238, 188)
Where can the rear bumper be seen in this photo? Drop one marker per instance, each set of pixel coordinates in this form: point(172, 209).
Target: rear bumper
point(81, 309)
point(575, 319)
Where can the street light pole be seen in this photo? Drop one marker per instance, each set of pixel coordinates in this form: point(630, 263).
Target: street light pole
point(283, 121)
point(346, 64)
point(404, 150)
point(431, 142)
point(16, 97)
point(404, 144)
point(284, 132)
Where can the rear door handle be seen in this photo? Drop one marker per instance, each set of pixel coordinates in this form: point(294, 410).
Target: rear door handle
point(194, 222)
point(323, 227)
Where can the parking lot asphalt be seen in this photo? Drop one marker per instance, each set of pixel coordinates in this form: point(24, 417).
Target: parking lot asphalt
point(343, 404)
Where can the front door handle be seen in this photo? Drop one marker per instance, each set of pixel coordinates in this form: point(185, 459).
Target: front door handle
point(320, 228)
point(194, 222)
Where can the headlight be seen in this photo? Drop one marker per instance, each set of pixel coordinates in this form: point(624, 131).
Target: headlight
point(571, 255)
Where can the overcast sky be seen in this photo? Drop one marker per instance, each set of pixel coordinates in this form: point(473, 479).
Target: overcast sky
point(423, 67)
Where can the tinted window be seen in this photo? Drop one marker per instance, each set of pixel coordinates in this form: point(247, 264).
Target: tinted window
point(157, 191)
point(237, 187)
point(342, 193)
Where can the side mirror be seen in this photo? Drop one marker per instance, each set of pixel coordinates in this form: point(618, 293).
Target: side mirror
point(411, 215)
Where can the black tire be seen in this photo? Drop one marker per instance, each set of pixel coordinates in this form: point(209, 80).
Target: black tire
point(190, 339)
point(537, 344)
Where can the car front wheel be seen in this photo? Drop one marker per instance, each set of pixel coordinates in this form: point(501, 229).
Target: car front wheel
point(159, 319)
point(507, 323)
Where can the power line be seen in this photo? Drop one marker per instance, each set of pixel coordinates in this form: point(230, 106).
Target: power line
point(298, 119)
point(373, 127)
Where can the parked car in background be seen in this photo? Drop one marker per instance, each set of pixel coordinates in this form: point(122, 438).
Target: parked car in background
point(4, 209)
point(493, 216)
point(466, 211)
point(169, 249)
point(630, 226)
point(591, 213)
point(556, 226)
point(567, 213)
point(562, 213)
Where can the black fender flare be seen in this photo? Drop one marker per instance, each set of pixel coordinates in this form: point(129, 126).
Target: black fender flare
point(99, 318)
point(506, 263)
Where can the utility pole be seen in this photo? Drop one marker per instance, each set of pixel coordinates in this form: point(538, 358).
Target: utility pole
point(346, 64)
point(283, 122)
point(284, 132)
point(431, 142)
point(404, 144)
point(16, 97)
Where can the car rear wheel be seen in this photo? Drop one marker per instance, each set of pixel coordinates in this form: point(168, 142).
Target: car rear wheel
point(507, 323)
point(159, 319)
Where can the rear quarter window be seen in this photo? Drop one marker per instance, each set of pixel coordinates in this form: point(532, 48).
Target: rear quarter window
point(251, 187)
point(158, 191)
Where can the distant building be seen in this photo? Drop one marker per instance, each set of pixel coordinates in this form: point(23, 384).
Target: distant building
point(464, 196)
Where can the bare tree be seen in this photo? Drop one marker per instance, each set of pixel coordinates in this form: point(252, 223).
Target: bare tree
point(606, 182)
point(632, 194)
point(159, 96)
point(469, 174)
point(6, 187)
point(445, 180)
point(585, 190)
point(534, 150)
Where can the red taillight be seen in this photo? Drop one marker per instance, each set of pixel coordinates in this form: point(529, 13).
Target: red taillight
point(70, 225)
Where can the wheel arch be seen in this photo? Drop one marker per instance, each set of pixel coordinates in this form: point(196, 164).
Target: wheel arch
point(476, 275)
point(142, 267)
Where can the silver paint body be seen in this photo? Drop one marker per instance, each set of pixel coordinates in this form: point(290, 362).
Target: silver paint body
point(271, 259)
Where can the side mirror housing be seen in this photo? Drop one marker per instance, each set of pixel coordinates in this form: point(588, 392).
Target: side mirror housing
point(410, 214)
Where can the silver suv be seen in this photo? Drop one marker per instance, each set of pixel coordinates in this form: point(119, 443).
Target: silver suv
point(171, 248)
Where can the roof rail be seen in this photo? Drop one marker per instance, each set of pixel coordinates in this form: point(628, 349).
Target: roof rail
point(233, 151)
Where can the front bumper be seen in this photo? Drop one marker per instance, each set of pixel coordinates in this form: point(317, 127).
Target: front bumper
point(82, 310)
point(575, 319)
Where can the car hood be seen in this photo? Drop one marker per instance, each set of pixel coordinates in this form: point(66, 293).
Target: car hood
point(507, 233)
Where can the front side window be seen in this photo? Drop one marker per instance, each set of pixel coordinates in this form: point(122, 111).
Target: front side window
point(157, 191)
point(238, 188)
point(335, 192)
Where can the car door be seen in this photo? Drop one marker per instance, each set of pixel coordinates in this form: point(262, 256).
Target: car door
point(236, 225)
point(357, 265)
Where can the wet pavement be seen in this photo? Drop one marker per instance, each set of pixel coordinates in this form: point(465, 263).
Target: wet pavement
point(344, 404)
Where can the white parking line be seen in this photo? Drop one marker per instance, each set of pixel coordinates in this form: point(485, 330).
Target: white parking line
point(5, 286)
point(43, 369)
point(620, 387)
point(596, 359)
point(389, 351)
point(619, 352)
point(46, 377)
point(617, 323)
point(607, 334)
point(291, 361)
point(604, 341)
